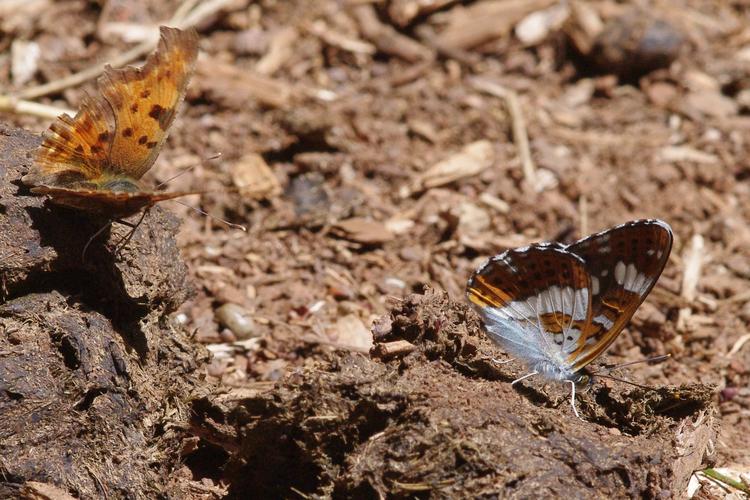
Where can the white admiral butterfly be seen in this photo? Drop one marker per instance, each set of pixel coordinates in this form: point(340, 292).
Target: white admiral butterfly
point(557, 307)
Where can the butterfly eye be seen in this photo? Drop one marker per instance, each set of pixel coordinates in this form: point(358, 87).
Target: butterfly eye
point(584, 381)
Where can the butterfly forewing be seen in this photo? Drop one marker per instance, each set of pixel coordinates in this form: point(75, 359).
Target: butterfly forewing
point(624, 264)
point(535, 301)
point(145, 100)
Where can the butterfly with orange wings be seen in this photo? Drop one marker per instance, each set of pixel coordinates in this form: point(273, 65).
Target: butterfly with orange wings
point(557, 308)
point(94, 161)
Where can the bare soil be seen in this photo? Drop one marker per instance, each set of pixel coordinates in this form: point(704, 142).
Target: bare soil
point(349, 364)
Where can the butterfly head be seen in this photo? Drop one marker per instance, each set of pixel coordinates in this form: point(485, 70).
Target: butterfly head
point(583, 380)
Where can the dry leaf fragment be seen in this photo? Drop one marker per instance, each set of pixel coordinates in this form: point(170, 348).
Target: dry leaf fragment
point(536, 27)
point(471, 160)
point(363, 230)
point(350, 333)
point(253, 177)
point(44, 491)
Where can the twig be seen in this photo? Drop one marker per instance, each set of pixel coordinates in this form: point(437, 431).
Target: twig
point(205, 9)
point(387, 39)
point(184, 9)
point(693, 266)
point(87, 74)
point(519, 124)
point(22, 107)
point(392, 349)
point(190, 19)
point(738, 345)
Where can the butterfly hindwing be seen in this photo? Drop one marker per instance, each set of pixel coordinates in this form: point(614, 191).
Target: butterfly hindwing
point(75, 147)
point(624, 264)
point(535, 301)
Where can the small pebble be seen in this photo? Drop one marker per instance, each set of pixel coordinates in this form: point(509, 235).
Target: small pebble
point(237, 319)
point(227, 335)
point(635, 44)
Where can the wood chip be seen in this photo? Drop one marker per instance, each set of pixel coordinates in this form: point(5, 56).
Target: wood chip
point(494, 202)
point(253, 178)
point(403, 12)
point(233, 86)
point(583, 26)
point(537, 26)
point(393, 349)
point(673, 154)
point(387, 39)
point(485, 21)
point(361, 230)
point(280, 50)
point(341, 41)
point(471, 160)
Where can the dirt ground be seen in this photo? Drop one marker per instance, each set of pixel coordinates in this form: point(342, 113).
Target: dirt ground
point(377, 152)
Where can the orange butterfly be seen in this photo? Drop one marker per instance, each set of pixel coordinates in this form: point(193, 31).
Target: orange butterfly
point(94, 162)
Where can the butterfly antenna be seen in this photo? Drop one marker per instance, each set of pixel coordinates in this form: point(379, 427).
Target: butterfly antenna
point(647, 387)
point(653, 359)
point(186, 170)
point(609, 368)
point(213, 217)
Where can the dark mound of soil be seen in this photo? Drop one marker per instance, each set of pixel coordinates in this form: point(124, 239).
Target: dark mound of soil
point(93, 380)
point(442, 420)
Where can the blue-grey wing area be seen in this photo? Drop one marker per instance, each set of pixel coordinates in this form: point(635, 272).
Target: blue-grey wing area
point(535, 303)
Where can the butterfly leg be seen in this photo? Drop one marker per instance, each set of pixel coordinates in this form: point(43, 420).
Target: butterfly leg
point(133, 227)
point(524, 377)
point(501, 361)
point(573, 398)
point(88, 243)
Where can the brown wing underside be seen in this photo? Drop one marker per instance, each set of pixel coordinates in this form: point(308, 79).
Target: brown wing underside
point(110, 204)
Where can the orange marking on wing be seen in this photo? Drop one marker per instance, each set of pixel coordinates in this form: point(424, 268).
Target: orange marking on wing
point(501, 296)
point(619, 310)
